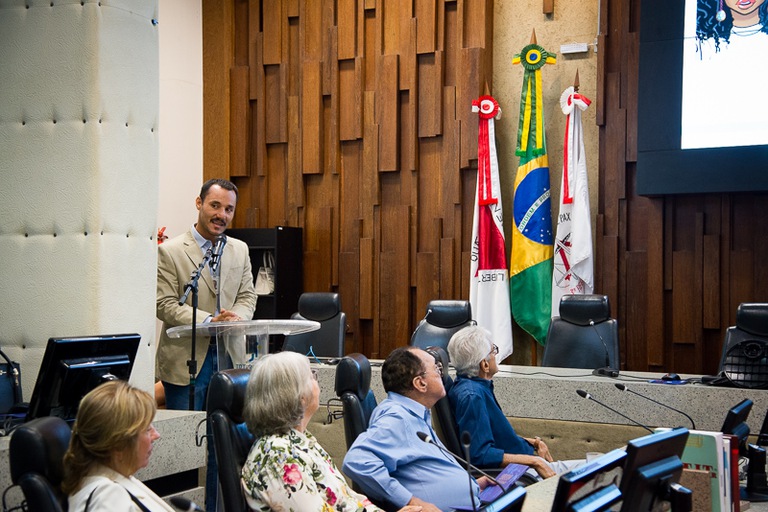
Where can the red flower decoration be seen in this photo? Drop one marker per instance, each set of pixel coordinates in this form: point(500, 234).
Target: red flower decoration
point(330, 497)
point(291, 474)
point(161, 237)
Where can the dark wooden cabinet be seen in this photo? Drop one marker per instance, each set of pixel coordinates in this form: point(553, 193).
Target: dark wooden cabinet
point(286, 245)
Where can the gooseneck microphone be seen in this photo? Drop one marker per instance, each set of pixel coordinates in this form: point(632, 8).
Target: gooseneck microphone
point(622, 387)
point(605, 371)
point(425, 437)
point(185, 504)
point(466, 439)
point(584, 394)
point(218, 248)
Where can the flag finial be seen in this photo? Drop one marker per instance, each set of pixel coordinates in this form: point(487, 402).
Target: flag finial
point(533, 36)
point(576, 81)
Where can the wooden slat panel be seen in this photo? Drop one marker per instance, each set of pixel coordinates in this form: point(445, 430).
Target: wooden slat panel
point(347, 29)
point(388, 113)
point(430, 106)
point(272, 27)
point(331, 114)
point(273, 187)
point(276, 104)
point(427, 279)
point(311, 27)
point(295, 181)
point(711, 282)
point(394, 314)
point(633, 42)
point(349, 290)
point(450, 149)
point(239, 122)
point(367, 266)
point(653, 276)
point(369, 195)
point(468, 88)
point(218, 58)
point(686, 310)
point(636, 344)
point(409, 142)
point(447, 264)
point(426, 17)
point(255, 38)
point(407, 57)
point(350, 224)
point(311, 119)
point(350, 100)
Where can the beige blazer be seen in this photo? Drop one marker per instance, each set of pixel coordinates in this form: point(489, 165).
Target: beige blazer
point(177, 258)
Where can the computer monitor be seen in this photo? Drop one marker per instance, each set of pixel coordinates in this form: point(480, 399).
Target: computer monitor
point(652, 466)
point(73, 366)
point(736, 423)
point(593, 486)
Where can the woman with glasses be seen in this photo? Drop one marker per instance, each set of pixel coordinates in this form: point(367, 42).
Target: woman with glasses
point(494, 441)
point(287, 469)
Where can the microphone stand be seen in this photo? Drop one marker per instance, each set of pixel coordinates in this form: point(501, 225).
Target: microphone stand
point(192, 286)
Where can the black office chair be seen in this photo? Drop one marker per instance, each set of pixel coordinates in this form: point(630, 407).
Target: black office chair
point(36, 458)
point(231, 439)
point(442, 412)
point(744, 360)
point(328, 341)
point(353, 387)
point(584, 335)
point(443, 319)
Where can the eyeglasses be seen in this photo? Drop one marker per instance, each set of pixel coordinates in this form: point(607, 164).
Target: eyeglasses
point(438, 369)
point(494, 350)
point(314, 373)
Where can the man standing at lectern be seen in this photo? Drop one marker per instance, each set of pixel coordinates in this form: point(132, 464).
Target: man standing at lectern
point(176, 260)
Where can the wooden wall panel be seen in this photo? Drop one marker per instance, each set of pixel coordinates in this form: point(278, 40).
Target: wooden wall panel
point(352, 120)
point(311, 119)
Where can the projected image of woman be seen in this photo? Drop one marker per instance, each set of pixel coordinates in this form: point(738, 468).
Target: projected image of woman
point(724, 41)
point(719, 19)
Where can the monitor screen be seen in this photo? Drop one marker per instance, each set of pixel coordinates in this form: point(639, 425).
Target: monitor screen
point(73, 366)
point(594, 476)
point(736, 422)
point(653, 465)
point(698, 131)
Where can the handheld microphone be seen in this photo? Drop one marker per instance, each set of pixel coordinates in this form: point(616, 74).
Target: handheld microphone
point(622, 387)
point(465, 443)
point(218, 248)
point(185, 504)
point(584, 394)
point(425, 437)
point(606, 371)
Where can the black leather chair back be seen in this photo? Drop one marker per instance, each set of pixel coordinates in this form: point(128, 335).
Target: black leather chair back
point(441, 412)
point(231, 439)
point(328, 341)
point(353, 387)
point(584, 335)
point(745, 350)
point(443, 319)
point(36, 458)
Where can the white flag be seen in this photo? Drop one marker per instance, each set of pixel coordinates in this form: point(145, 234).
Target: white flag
point(573, 264)
point(489, 272)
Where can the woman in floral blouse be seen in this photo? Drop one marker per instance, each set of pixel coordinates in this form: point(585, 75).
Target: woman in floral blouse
point(287, 469)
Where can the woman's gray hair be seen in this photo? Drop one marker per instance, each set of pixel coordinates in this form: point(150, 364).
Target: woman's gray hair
point(467, 348)
point(278, 392)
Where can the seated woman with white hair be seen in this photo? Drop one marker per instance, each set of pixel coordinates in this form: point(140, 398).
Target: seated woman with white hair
point(287, 469)
point(473, 402)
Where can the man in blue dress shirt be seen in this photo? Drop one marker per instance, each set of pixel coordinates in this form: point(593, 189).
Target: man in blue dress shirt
point(389, 462)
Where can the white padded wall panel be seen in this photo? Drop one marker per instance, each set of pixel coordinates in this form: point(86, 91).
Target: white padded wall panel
point(79, 146)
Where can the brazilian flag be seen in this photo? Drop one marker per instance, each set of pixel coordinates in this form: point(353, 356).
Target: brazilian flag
point(530, 270)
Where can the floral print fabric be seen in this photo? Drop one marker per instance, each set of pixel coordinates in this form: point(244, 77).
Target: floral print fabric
point(293, 473)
